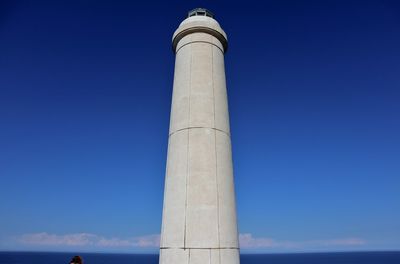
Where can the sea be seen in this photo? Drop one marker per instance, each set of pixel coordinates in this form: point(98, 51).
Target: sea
point(298, 258)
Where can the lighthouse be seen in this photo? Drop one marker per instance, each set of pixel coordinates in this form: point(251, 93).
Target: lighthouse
point(199, 223)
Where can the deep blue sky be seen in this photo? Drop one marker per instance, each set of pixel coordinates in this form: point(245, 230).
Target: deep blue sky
point(314, 97)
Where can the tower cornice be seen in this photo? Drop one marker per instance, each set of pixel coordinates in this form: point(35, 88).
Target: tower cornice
point(203, 24)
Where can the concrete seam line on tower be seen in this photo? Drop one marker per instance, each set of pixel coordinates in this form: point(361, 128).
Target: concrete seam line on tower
point(187, 128)
point(199, 41)
point(215, 145)
point(188, 142)
point(199, 248)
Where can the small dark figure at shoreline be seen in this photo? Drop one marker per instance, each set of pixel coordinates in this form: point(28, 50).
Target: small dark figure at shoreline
point(76, 260)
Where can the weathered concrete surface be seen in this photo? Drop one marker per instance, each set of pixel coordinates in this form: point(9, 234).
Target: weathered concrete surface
point(199, 216)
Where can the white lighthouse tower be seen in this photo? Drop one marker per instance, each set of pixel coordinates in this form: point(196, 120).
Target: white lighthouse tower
point(199, 216)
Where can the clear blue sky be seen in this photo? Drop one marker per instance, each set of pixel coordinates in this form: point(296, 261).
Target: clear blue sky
point(314, 97)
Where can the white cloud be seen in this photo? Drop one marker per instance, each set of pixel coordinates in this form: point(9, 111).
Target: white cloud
point(345, 242)
point(247, 241)
point(147, 241)
point(80, 239)
point(87, 239)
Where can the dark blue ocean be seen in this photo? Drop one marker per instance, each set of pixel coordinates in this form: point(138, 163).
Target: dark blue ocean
point(303, 258)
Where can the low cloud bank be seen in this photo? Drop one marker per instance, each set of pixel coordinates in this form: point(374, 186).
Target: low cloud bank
point(87, 239)
point(246, 240)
